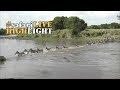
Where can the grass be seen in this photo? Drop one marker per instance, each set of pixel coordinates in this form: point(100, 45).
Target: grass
point(100, 32)
point(56, 35)
point(65, 36)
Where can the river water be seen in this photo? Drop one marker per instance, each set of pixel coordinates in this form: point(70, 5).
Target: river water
point(98, 61)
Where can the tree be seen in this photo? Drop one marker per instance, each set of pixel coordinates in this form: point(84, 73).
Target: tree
point(2, 31)
point(59, 23)
point(104, 26)
point(114, 25)
point(94, 27)
point(77, 25)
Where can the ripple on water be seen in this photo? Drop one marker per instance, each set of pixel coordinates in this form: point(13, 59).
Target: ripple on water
point(95, 61)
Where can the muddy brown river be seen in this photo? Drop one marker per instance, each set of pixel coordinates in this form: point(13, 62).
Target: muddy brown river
point(98, 61)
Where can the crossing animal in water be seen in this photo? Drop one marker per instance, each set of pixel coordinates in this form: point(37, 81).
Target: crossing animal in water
point(48, 48)
point(64, 46)
point(33, 51)
point(39, 50)
point(58, 47)
point(26, 51)
point(19, 53)
point(76, 45)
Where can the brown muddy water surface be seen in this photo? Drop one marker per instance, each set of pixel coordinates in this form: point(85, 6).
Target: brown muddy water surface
point(99, 61)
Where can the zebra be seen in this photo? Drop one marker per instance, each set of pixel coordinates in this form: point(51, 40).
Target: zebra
point(19, 54)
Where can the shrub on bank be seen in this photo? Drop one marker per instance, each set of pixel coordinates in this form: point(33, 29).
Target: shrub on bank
point(99, 32)
point(66, 34)
point(2, 31)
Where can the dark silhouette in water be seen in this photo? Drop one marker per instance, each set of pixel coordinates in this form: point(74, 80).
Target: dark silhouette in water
point(48, 48)
point(19, 54)
point(39, 50)
point(89, 43)
point(2, 58)
point(76, 45)
point(33, 51)
point(58, 47)
point(26, 51)
point(67, 59)
point(64, 46)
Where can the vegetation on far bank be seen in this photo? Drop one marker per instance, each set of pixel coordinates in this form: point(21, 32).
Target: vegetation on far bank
point(83, 37)
point(2, 31)
point(112, 25)
point(74, 28)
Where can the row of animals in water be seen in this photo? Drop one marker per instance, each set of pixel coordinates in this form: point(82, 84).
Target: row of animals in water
point(25, 52)
point(29, 51)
